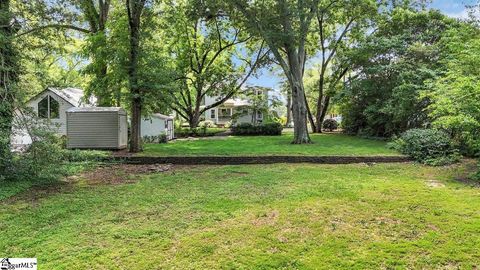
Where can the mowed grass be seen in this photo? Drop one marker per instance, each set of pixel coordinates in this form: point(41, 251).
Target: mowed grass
point(282, 216)
point(323, 144)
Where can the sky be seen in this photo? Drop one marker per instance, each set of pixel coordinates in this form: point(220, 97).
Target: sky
point(452, 8)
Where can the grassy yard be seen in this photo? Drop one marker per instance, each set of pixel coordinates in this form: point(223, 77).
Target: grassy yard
point(324, 144)
point(254, 217)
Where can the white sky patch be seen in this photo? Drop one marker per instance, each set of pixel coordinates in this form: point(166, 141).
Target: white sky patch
point(458, 15)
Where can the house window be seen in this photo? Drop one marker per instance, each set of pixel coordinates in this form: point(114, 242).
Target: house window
point(225, 112)
point(49, 108)
point(259, 115)
point(212, 113)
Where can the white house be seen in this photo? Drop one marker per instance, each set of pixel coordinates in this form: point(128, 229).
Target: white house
point(157, 124)
point(238, 110)
point(51, 105)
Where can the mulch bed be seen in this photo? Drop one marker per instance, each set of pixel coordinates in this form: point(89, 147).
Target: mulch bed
point(236, 160)
point(119, 173)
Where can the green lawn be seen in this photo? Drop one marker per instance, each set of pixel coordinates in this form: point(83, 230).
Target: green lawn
point(324, 144)
point(282, 216)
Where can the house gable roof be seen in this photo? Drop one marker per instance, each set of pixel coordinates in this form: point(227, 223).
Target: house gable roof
point(74, 96)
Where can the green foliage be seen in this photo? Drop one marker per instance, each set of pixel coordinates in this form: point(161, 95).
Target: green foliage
point(455, 96)
point(429, 146)
point(267, 129)
point(162, 138)
point(197, 132)
point(210, 56)
point(9, 73)
point(46, 160)
point(207, 123)
point(330, 124)
point(392, 69)
point(476, 175)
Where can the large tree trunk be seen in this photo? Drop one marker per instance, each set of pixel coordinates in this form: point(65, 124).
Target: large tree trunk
point(136, 118)
point(299, 105)
point(194, 120)
point(134, 14)
point(8, 77)
point(299, 111)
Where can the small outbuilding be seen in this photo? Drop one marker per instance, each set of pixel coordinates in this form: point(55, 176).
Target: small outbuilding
point(157, 124)
point(97, 128)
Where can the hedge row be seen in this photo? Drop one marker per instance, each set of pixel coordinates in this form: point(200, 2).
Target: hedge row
point(246, 129)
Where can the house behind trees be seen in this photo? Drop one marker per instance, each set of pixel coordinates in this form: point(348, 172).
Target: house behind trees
point(50, 105)
point(242, 109)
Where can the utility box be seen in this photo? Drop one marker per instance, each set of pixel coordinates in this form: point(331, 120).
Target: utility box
point(97, 128)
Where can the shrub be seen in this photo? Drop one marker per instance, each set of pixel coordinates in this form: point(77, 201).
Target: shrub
point(330, 124)
point(247, 129)
point(162, 138)
point(428, 146)
point(150, 139)
point(41, 160)
point(207, 124)
point(273, 128)
point(197, 132)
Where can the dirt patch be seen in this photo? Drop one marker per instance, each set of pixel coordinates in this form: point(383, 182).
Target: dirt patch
point(119, 173)
point(122, 153)
point(105, 175)
point(34, 194)
point(237, 160)
point(266, 219)
point(435, 183)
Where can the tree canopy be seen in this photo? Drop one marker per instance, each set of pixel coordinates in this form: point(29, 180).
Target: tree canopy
point(385, 66)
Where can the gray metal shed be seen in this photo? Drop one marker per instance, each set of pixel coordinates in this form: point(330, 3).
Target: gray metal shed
point(97, 128)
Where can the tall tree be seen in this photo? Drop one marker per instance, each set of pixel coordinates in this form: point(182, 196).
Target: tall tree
point(8, 79)
point(391, 69)
point(455, 95)
point(211, 56)
point(96, 15)
point(135, 8)
point(284, 25)
point(339, 23)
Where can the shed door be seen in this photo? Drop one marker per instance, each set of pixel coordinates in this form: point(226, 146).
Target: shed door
point(170, 129)
point(123, 130)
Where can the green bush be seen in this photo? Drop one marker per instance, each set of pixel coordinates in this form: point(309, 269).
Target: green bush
point(207, 124)
point(42, 159)
point(247, 129)
point(197, 132)
point(330, 124)
point(162, 138)
point(428, 146)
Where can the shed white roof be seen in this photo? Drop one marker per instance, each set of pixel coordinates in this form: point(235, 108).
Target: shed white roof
point(161, 116)
point(95, 109)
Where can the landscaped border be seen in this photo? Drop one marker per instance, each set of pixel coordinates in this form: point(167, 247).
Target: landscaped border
point(236, 160)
